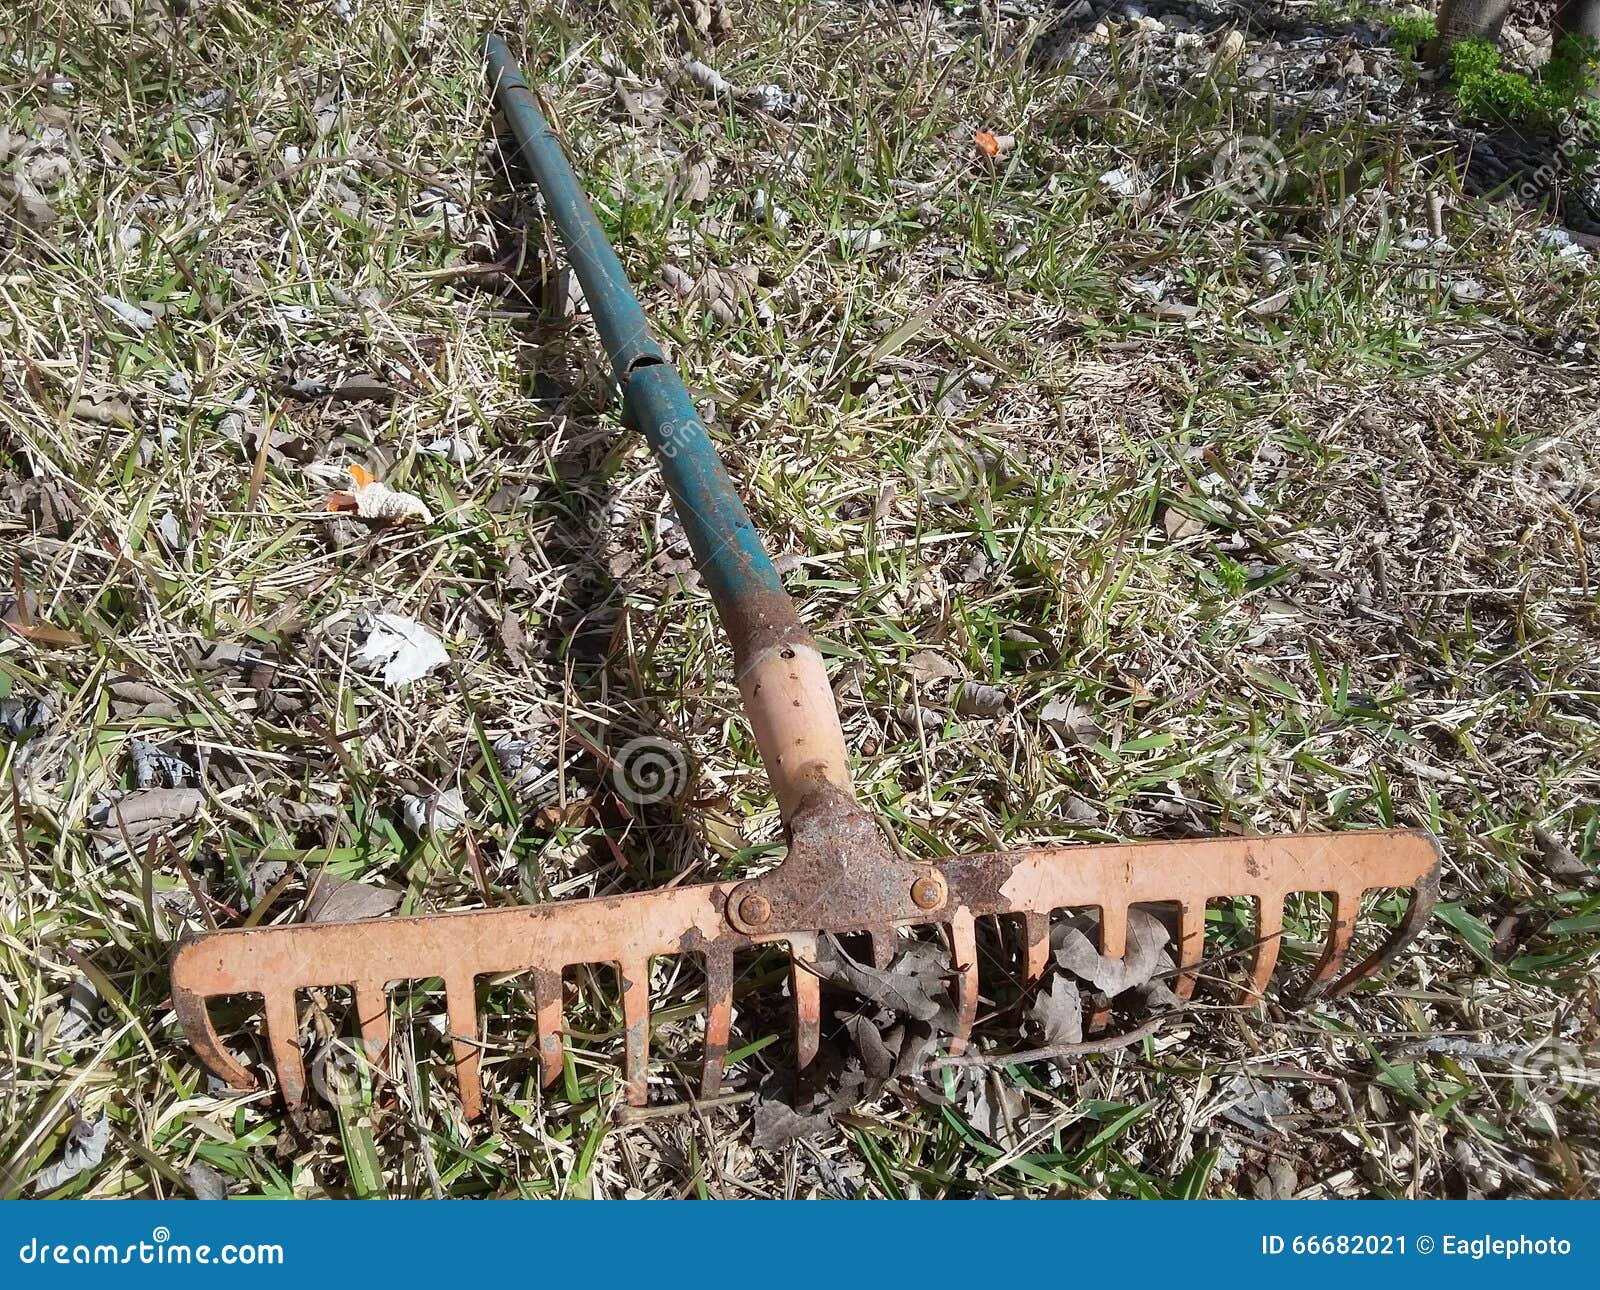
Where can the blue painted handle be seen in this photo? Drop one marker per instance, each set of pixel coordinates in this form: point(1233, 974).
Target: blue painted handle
point(749, 595)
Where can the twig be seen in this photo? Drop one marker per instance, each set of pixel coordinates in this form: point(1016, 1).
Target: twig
point(1109, 1044)
point(672, 1110)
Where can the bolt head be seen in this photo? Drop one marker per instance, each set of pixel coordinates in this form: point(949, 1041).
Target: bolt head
point(755, 909)
point(927, 892)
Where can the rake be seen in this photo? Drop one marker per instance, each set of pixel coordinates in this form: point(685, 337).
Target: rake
point(839, 875)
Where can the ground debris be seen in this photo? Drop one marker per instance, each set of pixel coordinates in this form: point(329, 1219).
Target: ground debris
point(401, 648)
point(1146, 957)
point(332, 899)
point(372, 499)
point(1557, 859)
point(1057, 1010)
point(913, 984)
point(84, 1149)
point(154, 767)
point(136, 817)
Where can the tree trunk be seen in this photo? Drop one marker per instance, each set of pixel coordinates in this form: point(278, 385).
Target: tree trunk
point(1580, 17)
point(1459, 19)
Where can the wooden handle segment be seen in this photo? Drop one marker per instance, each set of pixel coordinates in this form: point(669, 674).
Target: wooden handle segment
point(791, 708)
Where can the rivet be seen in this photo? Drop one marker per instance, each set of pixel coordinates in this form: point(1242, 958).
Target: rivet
point(928, 892)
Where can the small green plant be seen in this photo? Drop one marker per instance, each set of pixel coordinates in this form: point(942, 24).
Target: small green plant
point(1487, 92)
point(1410, 32)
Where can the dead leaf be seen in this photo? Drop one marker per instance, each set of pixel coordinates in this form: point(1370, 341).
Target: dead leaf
point(130, 697)
point(520, 762)
point(103, 408)
point(519, 576)
point(911, 986)
point(694, 184)
point(930, 665)
point(640, 101)
point(403, 648)
point(29, 206)
point(1079, 810)
point(436, 813)
point(144, 813)
point(710, 18)
point(777, 1123)
point(1072, 721)
point(82, 1011)
point(995, 1108)
point(154, 767)
point(677, 281)
point(340, 900)
point(1556, 858)
point(1262, 1110)
point(1075, 952)
point(83, 1150)
point(362, 387)
point(1058, 1011)
point(130, 315)
point(205, 1182)
point(708, 78)
point(22, 718)
point(1180, 524)
point(513, 638)
point(46, 501)
point(263, 875)
point(877, 1058)
point(563, 815)
point(980, 700)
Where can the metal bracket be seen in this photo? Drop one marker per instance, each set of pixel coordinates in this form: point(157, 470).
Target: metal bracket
point(839, 874)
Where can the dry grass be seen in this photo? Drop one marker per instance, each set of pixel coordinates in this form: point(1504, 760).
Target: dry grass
point(1383, 615)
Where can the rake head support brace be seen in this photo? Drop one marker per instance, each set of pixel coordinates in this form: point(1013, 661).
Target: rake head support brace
point(839, 875)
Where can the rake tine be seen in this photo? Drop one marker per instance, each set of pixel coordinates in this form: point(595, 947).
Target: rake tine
point(547, 1021)
point(1113, 945)
point(635, 978)
point(719, 1020)
point(884, 944)
point(1113, 931)
point(806, 987)
point(461, 1005)
point(372, 1016)
point(964, 959)
point(1035, 945)
point(1269, 937)
point(1418, 913)
point(1346, 908)
point(194, 1015)
point(1191, 946)
point(283, 1025)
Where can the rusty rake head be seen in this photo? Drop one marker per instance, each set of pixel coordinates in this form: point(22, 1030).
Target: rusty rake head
point(839, 878)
